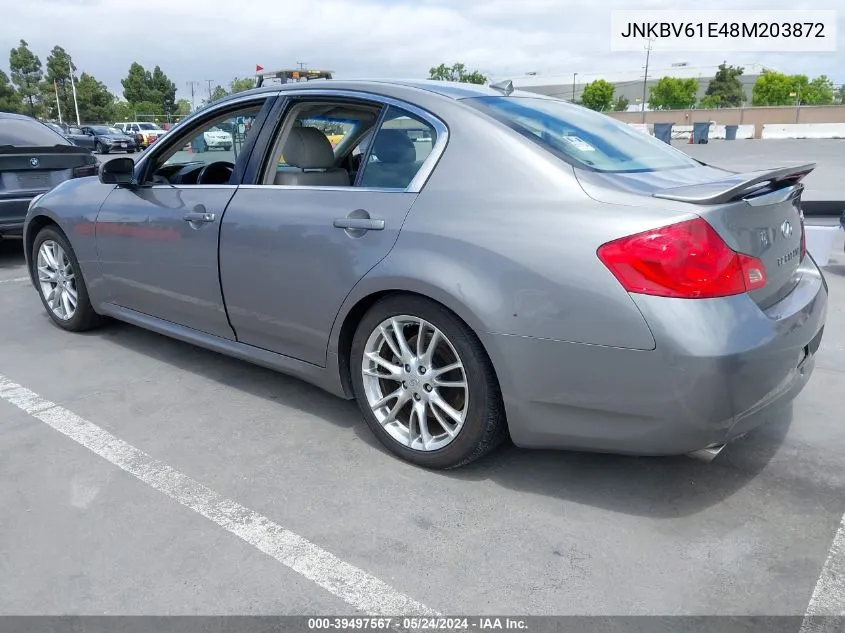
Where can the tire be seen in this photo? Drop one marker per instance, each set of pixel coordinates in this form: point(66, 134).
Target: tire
point(478, 402)
point(83, 317)
point(228, 148)
point(98, 148)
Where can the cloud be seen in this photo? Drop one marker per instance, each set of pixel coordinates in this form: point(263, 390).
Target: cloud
point(197, 40)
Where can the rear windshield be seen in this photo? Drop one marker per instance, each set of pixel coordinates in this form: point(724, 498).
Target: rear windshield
point(583, 137)
point(29, 133)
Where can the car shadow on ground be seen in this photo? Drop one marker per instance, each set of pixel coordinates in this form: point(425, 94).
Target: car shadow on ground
point(658, 487)
point(11, 253)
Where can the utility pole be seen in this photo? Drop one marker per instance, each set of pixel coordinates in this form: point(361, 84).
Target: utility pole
point(210, 81)
point(191, 85)
point(645, 76)
point(574, 75)
point(301, 65)
point(58, 103)
point(73, 85)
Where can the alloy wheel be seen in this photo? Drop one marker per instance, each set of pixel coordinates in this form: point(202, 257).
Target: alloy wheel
point(415, 383)
point(56, 280)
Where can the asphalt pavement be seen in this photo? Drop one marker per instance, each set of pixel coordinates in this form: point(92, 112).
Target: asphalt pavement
point(140, 475)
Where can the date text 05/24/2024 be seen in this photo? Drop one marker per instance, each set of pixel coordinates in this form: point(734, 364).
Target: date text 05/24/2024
point(417, 623)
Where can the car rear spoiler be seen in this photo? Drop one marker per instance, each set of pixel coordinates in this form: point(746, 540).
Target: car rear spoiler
point(737, 186)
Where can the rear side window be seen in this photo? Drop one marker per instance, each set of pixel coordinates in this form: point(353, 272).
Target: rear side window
point(29, 133)
point(582, 137)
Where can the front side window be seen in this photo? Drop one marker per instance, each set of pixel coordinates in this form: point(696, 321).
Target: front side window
point(148, 126)
point(583, 137)
point(214, 143)
point(29, 133)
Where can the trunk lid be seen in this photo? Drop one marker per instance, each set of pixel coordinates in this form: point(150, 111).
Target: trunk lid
point(24, 170)
point(757, 213)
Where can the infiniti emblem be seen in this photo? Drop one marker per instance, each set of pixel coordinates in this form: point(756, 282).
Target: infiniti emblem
point(786, 229)
point(33, 162)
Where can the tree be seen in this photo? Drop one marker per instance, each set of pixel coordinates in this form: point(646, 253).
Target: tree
point(598, 95)
point(183, 107)
point(239, 85)
point(819, 92)
point(122, 111)
point(26, 75)
point(672, 93)
point(840, 95)
point(218, 93)
point(10, 100)
point(456, 72)
point(725, 89)
point(711, 101)
point(621, 104)
point(146, 109)
point(162, 90)
point(136, 84)
point(57, 83)
point(96, 103)
point(140, 86)
point(773, 89)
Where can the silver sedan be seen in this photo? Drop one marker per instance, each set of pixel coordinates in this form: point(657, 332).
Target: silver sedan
point(468, 263)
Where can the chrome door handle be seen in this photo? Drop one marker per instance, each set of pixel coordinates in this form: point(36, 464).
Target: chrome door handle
point(194, 216)
point(360, 224)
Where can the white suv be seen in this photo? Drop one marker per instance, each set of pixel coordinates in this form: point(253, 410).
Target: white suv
point(145, 132)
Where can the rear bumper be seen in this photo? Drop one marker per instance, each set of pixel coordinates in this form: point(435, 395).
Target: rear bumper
point(721, 368)
point(13, 211)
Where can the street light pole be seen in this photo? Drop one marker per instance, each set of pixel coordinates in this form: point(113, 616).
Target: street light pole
point(191, 84)
point(73, 86)
point(645, 75)
point(574, 75)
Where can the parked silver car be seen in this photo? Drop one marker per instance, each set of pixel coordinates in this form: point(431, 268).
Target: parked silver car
point(466, 262)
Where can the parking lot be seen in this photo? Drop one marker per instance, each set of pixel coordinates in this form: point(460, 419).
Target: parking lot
point(93, 526)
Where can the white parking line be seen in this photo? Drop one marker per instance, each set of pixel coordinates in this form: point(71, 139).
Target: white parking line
point(828, 597)
point(16, 280)
point(353, 585)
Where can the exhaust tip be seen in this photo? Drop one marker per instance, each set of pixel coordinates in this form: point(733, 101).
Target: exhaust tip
point(707, 454)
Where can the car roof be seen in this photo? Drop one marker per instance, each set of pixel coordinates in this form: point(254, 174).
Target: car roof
point(449, 89)
point(19, 117)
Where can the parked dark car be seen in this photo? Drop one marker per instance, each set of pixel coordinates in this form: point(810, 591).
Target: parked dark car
point(33, 159)
point(108, 139)
point(76, 136)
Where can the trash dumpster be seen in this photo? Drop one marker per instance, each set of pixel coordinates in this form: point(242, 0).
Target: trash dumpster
point(700, 132)
point(730, 132)
point(663, 131)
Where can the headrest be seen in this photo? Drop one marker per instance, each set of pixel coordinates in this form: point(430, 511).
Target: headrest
point(308, 148)
point(394, 146)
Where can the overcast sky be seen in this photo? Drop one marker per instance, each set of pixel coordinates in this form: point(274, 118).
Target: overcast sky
point(212, 39)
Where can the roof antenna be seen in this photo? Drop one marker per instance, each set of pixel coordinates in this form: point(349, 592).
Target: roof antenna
point(505, 86)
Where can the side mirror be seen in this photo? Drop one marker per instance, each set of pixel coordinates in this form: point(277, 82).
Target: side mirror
point(117, 171)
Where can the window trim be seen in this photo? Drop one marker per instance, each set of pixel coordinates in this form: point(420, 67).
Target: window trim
point(426, 169)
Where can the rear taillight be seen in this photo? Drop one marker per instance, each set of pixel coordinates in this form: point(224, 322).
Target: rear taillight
point(85, 170)
point(688, 260)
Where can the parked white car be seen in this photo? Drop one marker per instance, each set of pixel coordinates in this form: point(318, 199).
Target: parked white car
point(215, 138)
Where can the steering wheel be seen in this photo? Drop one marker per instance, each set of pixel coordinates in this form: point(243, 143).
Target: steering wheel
point(219, 172)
